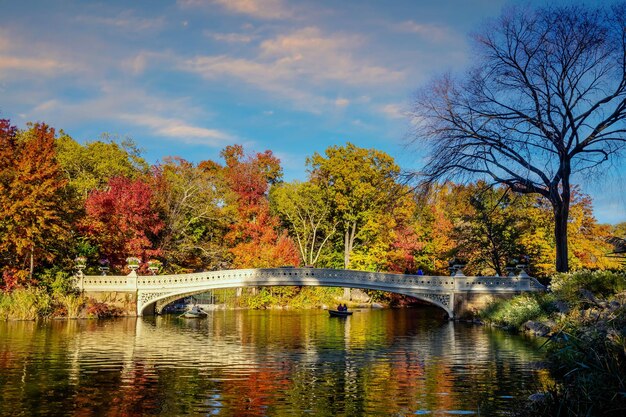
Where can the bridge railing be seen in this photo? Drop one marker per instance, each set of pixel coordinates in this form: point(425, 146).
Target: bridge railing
point(308, 276)
point(497, 283)
point(107, 282)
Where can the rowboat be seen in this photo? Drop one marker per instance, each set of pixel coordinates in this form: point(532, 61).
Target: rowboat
point(337, 313)
point(194, 312)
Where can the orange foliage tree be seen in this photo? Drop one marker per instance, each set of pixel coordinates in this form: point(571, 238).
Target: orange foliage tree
point(254, 236)
point(33, 215)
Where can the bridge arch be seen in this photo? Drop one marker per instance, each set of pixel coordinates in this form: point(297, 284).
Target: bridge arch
point(150, 303)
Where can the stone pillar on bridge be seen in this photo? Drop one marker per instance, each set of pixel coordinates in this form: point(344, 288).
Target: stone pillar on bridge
point(132, 280)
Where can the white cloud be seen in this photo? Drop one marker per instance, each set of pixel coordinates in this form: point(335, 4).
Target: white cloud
point(23, 58)
point(125, 20)
point(39, 65)
point(137, 64)
point(179, 129)
point(342, 102)
point(229, 37)
point(260, 9)
point(394, 111)
point(433, 32)
point(295, 66)
point(47, 105)
point(173, 119)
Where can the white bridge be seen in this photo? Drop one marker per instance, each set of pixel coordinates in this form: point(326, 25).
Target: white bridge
point(454, 294)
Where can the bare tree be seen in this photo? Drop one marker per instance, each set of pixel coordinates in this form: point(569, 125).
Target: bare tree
point(545, 101)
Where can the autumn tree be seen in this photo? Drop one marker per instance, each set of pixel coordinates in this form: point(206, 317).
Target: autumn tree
point(361, 185)
point(430, 234)
point(254, 236)
point(306, 211)
point(122, 220)
point(490, 227)
point(89, 166)
point(33, 214)
point(192, 200)
point(589, 247)
point(544, 102)
point(488, 232)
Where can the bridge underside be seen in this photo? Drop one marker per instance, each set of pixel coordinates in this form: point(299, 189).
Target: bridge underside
point(149, 302)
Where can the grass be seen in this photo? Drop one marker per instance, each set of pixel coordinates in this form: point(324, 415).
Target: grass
point(513, 313)
point(25, 304)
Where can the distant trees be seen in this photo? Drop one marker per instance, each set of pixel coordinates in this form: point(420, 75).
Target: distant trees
point(58, 201)
point(546, 100)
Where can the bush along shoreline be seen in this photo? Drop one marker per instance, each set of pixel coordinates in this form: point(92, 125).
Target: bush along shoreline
point(54, 297)
point(583, 318)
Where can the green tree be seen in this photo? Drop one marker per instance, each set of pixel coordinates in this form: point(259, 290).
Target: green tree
point(306, 211)
point(361, 185)
point(489, 231)
point(90, 166)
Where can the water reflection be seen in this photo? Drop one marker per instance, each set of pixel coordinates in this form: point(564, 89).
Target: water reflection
point(257, 363)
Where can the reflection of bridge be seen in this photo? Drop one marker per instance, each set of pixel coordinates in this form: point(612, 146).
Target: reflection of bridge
point(455, 295)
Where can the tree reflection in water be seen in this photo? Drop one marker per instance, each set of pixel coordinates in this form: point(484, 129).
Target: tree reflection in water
point(263, 363)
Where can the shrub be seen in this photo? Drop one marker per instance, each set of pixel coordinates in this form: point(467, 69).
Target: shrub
point(72, 304)
point(601, 284)
point(25, 304)
point(512, 313)
point(13, 278)
point(99, 310)
point(588, 357)
point(294, 297)
point(310, 297)
point(57, 281)
point(5, 306)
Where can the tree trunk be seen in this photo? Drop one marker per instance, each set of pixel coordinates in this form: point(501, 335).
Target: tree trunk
point(348, 243)
point(561, 216)
point(346, 249)
point(32, 261)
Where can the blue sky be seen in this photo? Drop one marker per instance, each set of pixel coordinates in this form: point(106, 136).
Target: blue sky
point(189, 77)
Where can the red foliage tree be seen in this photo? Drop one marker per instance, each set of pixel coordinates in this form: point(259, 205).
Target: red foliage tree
point(256, 242)
point(122, 220)
point(403, 251)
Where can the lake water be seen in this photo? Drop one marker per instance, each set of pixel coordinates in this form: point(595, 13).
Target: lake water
point(265, 363)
